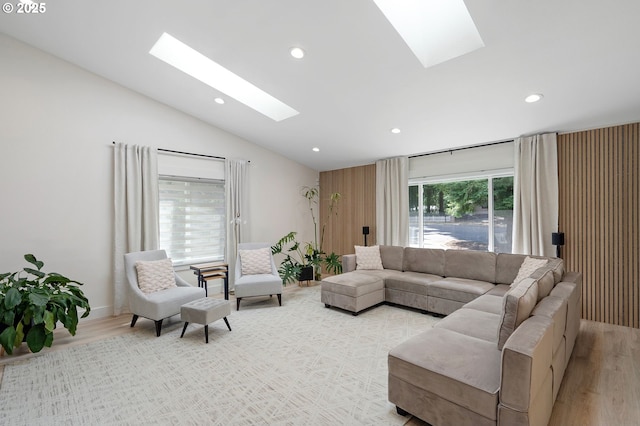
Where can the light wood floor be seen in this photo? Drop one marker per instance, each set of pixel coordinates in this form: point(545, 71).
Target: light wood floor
point(601, 385)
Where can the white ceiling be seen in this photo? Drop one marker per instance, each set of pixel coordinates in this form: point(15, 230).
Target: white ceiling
point(359, 79)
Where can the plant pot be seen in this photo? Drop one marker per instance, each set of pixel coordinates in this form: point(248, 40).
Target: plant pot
point(306, 274)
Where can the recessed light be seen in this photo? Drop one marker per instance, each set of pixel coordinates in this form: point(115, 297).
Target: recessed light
point(535, 97)
point(219, 101)
point(315, 149)
point(395, 130)
point(190, 61)
point(297, 52)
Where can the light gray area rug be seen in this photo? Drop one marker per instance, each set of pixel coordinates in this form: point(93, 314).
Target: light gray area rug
point(299, 364)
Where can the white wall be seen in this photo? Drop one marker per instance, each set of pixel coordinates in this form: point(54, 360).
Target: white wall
point(57, 124)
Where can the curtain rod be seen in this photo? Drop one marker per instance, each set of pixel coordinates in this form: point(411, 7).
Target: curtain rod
point(190, 153)
point(451, 151)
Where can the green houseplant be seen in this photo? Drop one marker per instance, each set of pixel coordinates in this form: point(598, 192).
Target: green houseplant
point(32, 302)
point(300, 255)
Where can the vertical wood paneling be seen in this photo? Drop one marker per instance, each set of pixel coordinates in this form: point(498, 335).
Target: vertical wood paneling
point(599, 182)
point(357, 207)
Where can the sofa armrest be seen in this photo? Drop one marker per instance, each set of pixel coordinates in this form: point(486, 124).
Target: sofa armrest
point(526, 361)
point(348, 263)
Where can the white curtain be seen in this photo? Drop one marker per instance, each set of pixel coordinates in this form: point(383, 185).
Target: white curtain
point(237, 193)
point(135, 203)
point(392, 201)
point(535, 194)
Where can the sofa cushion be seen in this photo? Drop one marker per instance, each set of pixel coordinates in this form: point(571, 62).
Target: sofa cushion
point(473, 323)
point(487, 303)
point(458, 289)
point(458, 368)
point(475, 265)
point(412, 282)
point(507, 267)
point(517, 306)
point(499, 290)
point(545, 279)
point(392, 257)
point(352, 284)
point(556, 309)
point(428, 261)
point(529, 265)
point(368, 257)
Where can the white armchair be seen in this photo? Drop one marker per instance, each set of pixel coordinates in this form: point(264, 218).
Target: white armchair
point(160, 304)
point(261, 284)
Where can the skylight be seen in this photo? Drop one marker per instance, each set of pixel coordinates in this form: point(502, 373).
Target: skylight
point(435, 30)
point(190, 61)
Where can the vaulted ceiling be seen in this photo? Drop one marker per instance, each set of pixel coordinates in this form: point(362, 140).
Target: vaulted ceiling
point(359, 79)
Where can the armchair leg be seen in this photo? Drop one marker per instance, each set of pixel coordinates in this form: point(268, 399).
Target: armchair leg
point(158, 327)
point(133, 320)
point(280, 299)
point(238, 303)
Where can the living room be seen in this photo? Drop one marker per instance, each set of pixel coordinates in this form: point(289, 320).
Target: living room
point(60, 119)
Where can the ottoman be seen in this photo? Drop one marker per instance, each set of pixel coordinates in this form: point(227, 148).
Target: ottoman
point(352, 292)
point(205, 311)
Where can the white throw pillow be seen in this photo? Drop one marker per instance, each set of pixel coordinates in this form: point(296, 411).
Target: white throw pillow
point(155, 275)
point(528, 267)
point(368, 257)
point(256, 261)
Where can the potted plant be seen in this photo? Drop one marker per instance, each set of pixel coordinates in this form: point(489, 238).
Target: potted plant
point(300, 258)
point(31, 304)
point(295, 265)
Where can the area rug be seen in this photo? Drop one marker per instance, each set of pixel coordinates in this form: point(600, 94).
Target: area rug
point(299, 364)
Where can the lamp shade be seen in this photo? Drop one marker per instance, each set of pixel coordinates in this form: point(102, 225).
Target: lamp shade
point(557, 238)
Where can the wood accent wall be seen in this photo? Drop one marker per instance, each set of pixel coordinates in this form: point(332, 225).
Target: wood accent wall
point(599, 183)
point(357, 207)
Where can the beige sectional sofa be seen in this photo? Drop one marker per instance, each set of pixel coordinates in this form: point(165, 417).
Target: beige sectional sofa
point(499, 355)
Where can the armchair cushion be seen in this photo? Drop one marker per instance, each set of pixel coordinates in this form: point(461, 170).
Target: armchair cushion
point(255, 261)
point(155, 275)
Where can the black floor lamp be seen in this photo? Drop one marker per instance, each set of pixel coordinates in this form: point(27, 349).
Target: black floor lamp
point(557, 239)
point(365, 232)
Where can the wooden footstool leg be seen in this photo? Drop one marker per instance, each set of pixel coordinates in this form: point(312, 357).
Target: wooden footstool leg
point(184, 328)
point(206, 333)
point(226, 321)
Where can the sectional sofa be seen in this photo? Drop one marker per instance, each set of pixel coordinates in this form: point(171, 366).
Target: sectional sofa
point(500, 354)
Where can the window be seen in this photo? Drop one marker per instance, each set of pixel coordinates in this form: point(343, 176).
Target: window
point(466, 212)
point(192, 219)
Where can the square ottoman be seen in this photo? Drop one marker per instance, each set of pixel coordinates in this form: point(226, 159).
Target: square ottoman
point(205, 311)
point(352, 291)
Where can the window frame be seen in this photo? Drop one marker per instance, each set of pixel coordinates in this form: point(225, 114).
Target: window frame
point(184, 262)
point(489, 175)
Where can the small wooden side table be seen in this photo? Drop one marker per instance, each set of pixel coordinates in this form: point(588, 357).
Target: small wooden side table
point(212, 271)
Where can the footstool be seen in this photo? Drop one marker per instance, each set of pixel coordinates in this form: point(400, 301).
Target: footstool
point(205, 311)
point(352, 292)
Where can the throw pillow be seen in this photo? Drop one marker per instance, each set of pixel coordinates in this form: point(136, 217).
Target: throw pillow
point(368, 257)
point(529, 265)
point(517, 306)
point(155, 275)
point(256, 261)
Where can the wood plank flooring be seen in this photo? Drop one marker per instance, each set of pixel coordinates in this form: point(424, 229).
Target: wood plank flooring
point(601, 385)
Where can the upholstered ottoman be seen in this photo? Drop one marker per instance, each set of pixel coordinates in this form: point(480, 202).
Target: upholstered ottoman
point(205, 311)
point(352, 292)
